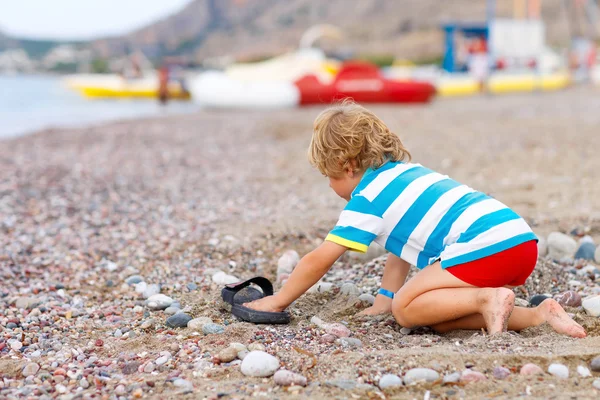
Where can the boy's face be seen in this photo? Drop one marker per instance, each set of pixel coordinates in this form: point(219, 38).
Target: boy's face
point(345, 184)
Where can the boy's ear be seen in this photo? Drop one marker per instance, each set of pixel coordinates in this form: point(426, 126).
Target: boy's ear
point(352, 167)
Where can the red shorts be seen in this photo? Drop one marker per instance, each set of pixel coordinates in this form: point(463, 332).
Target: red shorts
point(510, 267)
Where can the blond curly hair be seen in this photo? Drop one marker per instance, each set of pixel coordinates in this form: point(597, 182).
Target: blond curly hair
point(348, 131)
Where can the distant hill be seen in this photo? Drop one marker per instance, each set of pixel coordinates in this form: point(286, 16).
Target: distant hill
point(250, 28)
point(35, 48)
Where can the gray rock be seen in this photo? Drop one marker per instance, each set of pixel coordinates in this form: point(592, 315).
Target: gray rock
point(259, 364)
point(149, 367)
point(221, 278)
point(500, 372)
point(159, 302)
point(321, 287)
point(198, 323)
point(349, 289)
point(212, 329)
point(151, 290)
point(185, 386)
point(84, 383)
point(131, 367)
point(537, 299)
point(390, 380)
point(171, 310)
point(289, 378)
point(591, 305)
point(367, 298)
point(596, 383)
point(559, 370)
point(420, 374)
point(586, 251)
point(191, 286)
point(561, 247)
point(30, 369)
point(27, 303)
point(451, 378)
point(162, 360)
point(118, 333)
point(349, 342)
point(595, 364)
point(134, 279)
point(542, 246)
point(345, 384)
point(179, 320)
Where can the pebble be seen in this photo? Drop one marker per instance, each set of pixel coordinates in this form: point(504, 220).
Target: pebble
point(561, 247)
point(345, 384)
point(84, 383)
point(238, 346)
point(569, 299)
point(134, 279)
point(586, 251)
point(27, 303)
point(185, 385)
point(349, 289)
point(221, 278)
point(16, 345)
point(531, 369)
point(349, 342)
point(242, 354)
point(118, 333)
point(420, 374)
point(559, 370)
point(335, 328)
point(289, 378)
point(583, 371)
point(171, 310)
point(536, 300)
point(212, 329)
point(191, 286)
point(120, 390)
point(149, 323)
point(159, 302)
point(141, 287)
point(596, 383)
point(542, 246)
point(179, 320)
point(228, 354)
point(151, 290)
point(451, 378)
point(321, 287)
point(389, 380)
point(255, 346)
point(130, 367)
point(30, 369)
point(595, 364)
point(149, 367)
point(162, 360)
point(500, 372)
point(468, 376)
point(367, 298)
point(591, 305)
point(259, 364)
point(286, 264)
point(198, 323)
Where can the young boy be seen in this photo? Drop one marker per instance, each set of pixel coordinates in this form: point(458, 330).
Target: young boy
point(470, 248)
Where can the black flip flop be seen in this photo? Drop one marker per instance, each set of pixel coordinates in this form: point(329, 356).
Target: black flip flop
point(239, 293)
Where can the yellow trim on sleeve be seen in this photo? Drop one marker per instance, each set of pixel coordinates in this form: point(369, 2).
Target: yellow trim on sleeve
point(354, 246)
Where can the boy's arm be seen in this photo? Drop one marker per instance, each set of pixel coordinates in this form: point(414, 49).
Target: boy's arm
point(394, 275)
point(309, 270)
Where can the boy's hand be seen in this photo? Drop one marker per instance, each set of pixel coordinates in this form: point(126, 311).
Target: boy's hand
point(269, 304)
point(382, 305)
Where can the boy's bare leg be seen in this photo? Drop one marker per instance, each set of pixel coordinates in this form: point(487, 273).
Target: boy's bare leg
point(549, 311)
point(435, 296)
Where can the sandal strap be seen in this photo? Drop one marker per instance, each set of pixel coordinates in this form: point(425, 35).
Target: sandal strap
point(229, 291)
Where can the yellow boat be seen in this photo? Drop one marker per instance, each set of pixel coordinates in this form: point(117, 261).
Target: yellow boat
point(115, 86)
point(527, 82)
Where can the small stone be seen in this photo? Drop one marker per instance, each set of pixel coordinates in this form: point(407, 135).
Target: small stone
point(131, 367)
point(27, 303)
point(542, 246)
point(30, 369)
point(259, 364)
point(149, 323)
point(349, 342)
point(345, 384)
point(536, 300)
point(451, 378)
point(191, 286)
point(500, 372)
point(16, 345)
point(287, 262)
point(179, 320)
point(349, 289)
point(597, 255)
point(468, 376)
point(162, 360)
point(595, 364)
point(559, 370)
point(221, 278)
point(255, 346)
point(120, 390)
point(149, 367)
point(118, 333)
point(289, 378)
point(184, 385)
point(228, 354)
point(596, 383)
point(405, 331)
point(583, 371)
point(159, 302)
point(238, 346)
point(212, 329)
point(321, 287)
point(151, 290)
point(84, 383)
point(420, 374)
point(198, 323)
point(171, 310)
point(586, 251)
point(390, 380)
point(561, 247)
point(531, 369)
point(134, 279)
point(591, 305)
point(141, 287)
point(367, 298)
point(569, 299)
point(242, 354)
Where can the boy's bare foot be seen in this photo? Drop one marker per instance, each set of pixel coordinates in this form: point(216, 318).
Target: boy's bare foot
point(498, 304)
point(375, 311)
point(551, 312)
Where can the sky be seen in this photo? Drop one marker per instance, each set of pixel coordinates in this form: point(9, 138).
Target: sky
point(80, 19)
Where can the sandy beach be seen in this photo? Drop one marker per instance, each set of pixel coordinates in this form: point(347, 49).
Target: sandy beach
point(172, 201)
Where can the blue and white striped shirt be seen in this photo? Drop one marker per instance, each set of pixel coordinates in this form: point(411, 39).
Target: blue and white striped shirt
point(422, 216)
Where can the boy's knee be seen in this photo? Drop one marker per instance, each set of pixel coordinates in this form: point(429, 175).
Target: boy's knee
point(399, 311)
